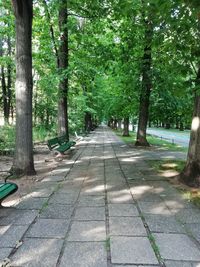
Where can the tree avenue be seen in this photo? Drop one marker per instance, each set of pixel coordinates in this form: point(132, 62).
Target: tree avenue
point(76, 64)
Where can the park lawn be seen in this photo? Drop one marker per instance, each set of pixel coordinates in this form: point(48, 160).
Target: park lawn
point(154, 141)
point(190, 194)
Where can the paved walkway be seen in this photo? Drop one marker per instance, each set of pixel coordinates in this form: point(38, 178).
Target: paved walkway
point(104, 208)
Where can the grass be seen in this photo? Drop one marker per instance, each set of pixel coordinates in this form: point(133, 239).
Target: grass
point(191, 195)
point(162, 166)
point(166, 165)
point(154, 141)
point(7, 136)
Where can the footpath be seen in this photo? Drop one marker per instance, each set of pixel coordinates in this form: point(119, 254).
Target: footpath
point(105, 207)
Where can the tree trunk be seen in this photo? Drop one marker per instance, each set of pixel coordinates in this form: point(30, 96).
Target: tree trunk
point(146, 87)
point(119, 124)
point(167, 125)
point(191, 172)
point(23, 160)
point(63, 67)
point(4, 93)
point(88, 121)
point(181, 128)
point(115, 124)
point(126, 127)
point(9, 83)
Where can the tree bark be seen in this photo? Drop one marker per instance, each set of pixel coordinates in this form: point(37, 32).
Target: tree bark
point(191, 172)
point(23, 160)
point(9, 82)
point(119, 124)
point(146, 87)
point(88, 121)
point(126, 127)
point(63, 67)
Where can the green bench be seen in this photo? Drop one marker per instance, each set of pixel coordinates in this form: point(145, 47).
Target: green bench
point(6, 189)
point(60, 144)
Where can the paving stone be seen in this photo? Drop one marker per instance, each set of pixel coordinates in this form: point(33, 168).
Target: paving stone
point(129, 226)
point(87, 231)
point(90, 213)
point(19, 217)
point(122, 210)
point(57, 211)
point(42, 192)
point(134, 265)
point(37, 252)
point(178, 264)
point(55, 228)
point(91, 201)
point(189, 215)
point(4, 253)
point(90, 254)
point(63, 199)
point(12, 235)
point(194, 228)
point(93, 190)
point(154, 208)
point(132, 250)
point(164, 224)
point(177, 247)
point(32, 203)
point(54, 178)
point(119, 197)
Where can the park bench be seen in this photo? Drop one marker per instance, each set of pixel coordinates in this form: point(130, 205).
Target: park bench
point(60, 144)
point(6, 189)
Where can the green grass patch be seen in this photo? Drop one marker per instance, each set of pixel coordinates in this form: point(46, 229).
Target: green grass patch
point(7, 137)
point(167, 164)
point(154, 141)
point(191, 195)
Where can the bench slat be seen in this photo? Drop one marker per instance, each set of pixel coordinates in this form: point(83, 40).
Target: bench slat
point(6, 189)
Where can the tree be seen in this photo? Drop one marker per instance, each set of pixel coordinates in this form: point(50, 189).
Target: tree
point(23, 160)
point(146, 84)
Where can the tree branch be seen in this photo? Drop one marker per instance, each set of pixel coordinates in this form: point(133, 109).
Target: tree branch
point(51, 29)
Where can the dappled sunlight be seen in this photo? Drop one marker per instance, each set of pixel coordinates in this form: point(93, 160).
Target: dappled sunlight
point(4, 229)
point(35, 253)
point(98, 232)
point(142, 189)
point(195, 124)
point(129, 160)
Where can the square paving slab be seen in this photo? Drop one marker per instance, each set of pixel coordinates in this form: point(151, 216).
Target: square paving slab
point(87, 231)
point(90, 214)
point(177, 247)
point(55, 228)
point(32, 203)
point(129, 226)
point(58, 198)
point(12, 235)
point(36, 252)
point(122, 210)
point(132, 250)
point(90, 254)
point(57, 211)
point(91, 201)
point(164, 224)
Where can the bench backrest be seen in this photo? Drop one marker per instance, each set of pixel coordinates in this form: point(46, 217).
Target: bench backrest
point(6, 189)
point(63, 139)
point(53, 143)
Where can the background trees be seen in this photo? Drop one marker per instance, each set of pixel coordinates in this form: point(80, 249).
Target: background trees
point(108, 61)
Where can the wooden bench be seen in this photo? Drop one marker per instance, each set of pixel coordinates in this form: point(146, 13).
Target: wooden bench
point(6, 189)
point(60, 144)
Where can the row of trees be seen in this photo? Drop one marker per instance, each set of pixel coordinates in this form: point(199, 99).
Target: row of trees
point(86, 61)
